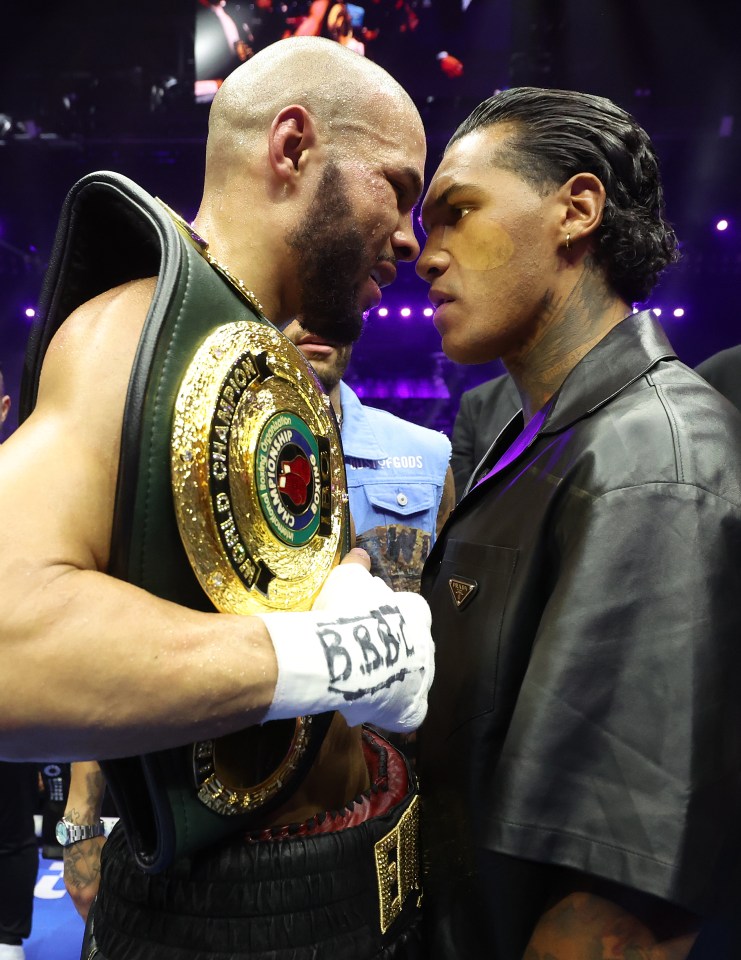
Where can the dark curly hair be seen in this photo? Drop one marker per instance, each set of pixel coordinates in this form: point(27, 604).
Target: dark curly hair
point(558, 133)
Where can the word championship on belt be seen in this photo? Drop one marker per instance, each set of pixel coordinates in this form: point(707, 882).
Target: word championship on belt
point(261, 503)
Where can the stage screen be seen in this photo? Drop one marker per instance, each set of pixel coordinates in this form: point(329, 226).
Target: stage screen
point(228, 32)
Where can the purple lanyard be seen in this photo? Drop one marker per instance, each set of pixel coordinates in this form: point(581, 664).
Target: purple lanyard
point(519, 444)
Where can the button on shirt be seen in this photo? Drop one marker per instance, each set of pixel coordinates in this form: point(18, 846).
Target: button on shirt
point(395, 469)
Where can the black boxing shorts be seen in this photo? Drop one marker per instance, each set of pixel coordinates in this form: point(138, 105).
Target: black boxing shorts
point(344, 885)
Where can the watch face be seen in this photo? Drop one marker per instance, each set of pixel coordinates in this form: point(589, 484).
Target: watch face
point(62, 833)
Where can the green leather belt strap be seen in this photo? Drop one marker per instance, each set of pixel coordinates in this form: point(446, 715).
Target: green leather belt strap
point(110, 232)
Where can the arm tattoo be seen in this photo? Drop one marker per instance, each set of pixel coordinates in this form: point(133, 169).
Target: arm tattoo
point(86, 794)
point(583, 926)
point(95, 784)
point(82, 866)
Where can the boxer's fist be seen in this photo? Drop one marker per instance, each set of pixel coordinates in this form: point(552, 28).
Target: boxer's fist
point(363, 650)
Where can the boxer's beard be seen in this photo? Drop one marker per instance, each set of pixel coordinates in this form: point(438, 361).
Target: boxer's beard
point(330, 250)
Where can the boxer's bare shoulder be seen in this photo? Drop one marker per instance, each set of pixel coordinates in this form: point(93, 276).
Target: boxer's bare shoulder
point(92, 352)
point(62, 462)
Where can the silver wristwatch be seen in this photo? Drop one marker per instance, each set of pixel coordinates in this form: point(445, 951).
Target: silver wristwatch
point(69, 833)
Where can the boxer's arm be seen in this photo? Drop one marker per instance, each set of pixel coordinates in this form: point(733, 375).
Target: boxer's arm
point(594, 918)
point(82, 859)
point(92, 666)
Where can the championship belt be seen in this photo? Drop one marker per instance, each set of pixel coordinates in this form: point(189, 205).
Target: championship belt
point(231, 492)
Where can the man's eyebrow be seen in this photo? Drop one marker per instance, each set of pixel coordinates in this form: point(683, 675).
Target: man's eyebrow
point(414, 178)
point(439, 201)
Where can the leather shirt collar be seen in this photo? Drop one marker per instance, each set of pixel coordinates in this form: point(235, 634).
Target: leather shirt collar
point(630, 349)
point(625, 354)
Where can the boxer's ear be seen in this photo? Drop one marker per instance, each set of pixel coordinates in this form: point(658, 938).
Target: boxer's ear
point(292, 134)
point(583, 203)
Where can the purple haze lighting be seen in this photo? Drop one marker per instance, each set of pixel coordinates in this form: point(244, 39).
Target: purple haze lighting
point(721, 225)
point(428, 311)
point(657, 311)
point(383, 312)
point(405, 312)
point(679, 312)
point(30, 312)
point(402, 389)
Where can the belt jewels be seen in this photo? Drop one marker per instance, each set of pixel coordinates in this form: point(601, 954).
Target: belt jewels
point(260, 497)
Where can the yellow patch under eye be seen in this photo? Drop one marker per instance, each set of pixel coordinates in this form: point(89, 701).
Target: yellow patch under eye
point(487, 248)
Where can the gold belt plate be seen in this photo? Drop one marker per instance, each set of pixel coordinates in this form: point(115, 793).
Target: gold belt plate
point(257, 472)
point(260, 498)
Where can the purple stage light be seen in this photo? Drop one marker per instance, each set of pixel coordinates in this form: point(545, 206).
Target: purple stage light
point(383, 312)
point(721, 225)
point(428, 311)
point(679, 312)
point(657, 311)
point(30, 312)
point(405, 312)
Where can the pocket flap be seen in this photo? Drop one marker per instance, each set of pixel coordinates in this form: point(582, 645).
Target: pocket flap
point(400, 498)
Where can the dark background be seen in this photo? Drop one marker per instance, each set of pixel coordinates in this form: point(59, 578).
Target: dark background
point(109, 85)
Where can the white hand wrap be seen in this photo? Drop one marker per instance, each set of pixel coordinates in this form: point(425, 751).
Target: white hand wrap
point(362, 649)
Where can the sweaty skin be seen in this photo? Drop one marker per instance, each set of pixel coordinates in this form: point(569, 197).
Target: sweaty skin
point(165, 674)
point(162, 674)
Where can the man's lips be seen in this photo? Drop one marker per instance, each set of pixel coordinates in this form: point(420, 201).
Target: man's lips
point(383, 273)
point(371, 295)
point(438, 297)
point(315, 347)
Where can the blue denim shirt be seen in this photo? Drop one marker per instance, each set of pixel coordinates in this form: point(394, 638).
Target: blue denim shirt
point(395, 469)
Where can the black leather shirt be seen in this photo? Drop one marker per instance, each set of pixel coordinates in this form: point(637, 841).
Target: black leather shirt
point(585, 711)
point(482, 414)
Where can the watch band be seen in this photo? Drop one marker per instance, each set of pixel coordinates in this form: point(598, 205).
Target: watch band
point(68, 832)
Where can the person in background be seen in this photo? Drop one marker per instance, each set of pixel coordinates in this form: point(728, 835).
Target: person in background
point(723, 371)
point(19, 857)
point(484, 411)
point(398, 473)
point(333, 21)
point(580, 758)
point(399, 479)
point(220, 44)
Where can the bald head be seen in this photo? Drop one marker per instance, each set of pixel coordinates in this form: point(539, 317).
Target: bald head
point(312, 149)
point(344, 92)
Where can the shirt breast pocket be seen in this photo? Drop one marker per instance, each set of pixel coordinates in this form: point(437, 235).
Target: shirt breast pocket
point(400, 500)
point(468, 604)
point(412, 504)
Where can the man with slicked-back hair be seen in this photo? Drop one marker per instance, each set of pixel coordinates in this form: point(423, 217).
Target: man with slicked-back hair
point(580, 758)
point(314, 162)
